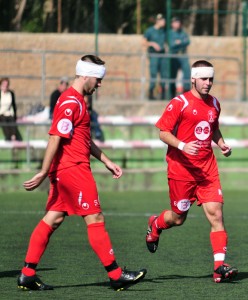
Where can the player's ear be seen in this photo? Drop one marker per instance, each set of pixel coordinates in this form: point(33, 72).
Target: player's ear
point(193, 80)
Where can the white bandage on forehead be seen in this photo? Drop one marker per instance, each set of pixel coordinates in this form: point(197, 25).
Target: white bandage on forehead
point(202, 72)
point(85, 68)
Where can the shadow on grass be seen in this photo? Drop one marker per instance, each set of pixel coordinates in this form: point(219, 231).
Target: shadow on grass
point(104, 284)
point(240, 276)
point(14, 273)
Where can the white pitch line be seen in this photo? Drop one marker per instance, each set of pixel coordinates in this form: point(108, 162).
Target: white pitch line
point(111, 214)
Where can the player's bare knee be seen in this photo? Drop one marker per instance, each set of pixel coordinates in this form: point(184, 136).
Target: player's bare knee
point(178, 220)
point(95, 218)
point(57, 222)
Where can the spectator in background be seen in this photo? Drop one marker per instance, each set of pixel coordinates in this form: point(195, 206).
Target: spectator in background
point(95, 128)
point(179, 41)
point(154, 40)
point(63, 85)
point(8, 111)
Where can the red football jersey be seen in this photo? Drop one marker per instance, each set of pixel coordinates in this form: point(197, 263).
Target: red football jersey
point(191, 119)
point(71, 121)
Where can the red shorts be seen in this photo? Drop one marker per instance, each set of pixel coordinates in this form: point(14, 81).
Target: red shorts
point(73, 191)
point(184, 193)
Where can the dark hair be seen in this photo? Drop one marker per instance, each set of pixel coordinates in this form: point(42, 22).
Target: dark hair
point(93, 58)
point(176, 19)
point(4, 79)
point(201, 63)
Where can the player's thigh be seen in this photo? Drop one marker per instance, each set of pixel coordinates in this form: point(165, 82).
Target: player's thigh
point(209, 191)
point(182, 195)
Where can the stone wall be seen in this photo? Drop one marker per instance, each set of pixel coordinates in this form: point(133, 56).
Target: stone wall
point(126, 66)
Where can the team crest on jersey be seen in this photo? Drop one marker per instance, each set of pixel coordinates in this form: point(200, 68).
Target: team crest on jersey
point(194, 112)
point(202, 130)
point(210, 116)
point(68, 112)
point(169, 108)
point(64, 126)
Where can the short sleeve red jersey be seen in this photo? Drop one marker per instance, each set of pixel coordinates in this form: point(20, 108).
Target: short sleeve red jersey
point(191, 119)
point(71, 121)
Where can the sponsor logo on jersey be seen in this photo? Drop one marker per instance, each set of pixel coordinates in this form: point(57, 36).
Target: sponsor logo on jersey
point(68, 112)
point(85, 206)
point(202, 130)
point(183, 205)
point(64, 126)
point(210, 116)
point(169, 108)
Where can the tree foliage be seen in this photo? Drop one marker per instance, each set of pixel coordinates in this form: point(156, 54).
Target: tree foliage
point(119, 16)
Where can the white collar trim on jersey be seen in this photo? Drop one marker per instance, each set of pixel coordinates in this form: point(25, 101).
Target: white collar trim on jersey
point(202, 72)
point(85, 68)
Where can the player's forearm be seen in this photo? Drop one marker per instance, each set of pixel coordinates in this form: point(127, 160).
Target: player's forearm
point(218, 138)
point(169, 139)
point(98, 153)
point(52, 148)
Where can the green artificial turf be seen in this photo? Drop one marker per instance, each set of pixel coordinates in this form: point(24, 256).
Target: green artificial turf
point(180, 269)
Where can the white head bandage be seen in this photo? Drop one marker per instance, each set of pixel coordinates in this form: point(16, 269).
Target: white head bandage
point(85, 68)
point(202, 72)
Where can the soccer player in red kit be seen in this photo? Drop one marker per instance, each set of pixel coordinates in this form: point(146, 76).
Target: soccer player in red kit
point(73, 190)
point(188, 126)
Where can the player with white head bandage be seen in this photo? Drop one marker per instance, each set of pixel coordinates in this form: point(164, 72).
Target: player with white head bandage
point(73, 189)
point(188, 126)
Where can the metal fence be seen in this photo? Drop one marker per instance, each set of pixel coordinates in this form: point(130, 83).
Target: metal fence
point(127, 74)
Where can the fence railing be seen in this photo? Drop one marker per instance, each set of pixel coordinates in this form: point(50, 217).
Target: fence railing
point(127, 73)
point(35, 136)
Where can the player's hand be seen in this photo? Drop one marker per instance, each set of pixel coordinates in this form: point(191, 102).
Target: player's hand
point(114, 169)
point(34, 182)
point(226, 150)
point(192, 148)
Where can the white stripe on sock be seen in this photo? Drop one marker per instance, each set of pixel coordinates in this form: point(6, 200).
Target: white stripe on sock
point(219, 257)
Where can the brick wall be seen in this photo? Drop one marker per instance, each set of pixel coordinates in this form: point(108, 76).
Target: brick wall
point(224, 52)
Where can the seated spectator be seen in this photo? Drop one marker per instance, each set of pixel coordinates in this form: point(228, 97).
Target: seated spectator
point(96, 131)
point(63, 85)
point(8, 112)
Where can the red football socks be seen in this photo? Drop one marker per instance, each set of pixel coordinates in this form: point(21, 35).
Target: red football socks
point(218, 241)
point(101, 244)
point(37, 245)
point(159, 223)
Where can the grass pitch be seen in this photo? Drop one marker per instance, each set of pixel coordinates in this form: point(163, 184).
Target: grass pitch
point(180, 269)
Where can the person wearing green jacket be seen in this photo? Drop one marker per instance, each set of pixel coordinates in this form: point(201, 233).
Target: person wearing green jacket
point(154, 40)
point(178, 42)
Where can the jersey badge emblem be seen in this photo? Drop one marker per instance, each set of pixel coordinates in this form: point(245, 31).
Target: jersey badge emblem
point(68, 112)
point(183, 205)
point(64, 126)
point(202, 130)
point(210, 116)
